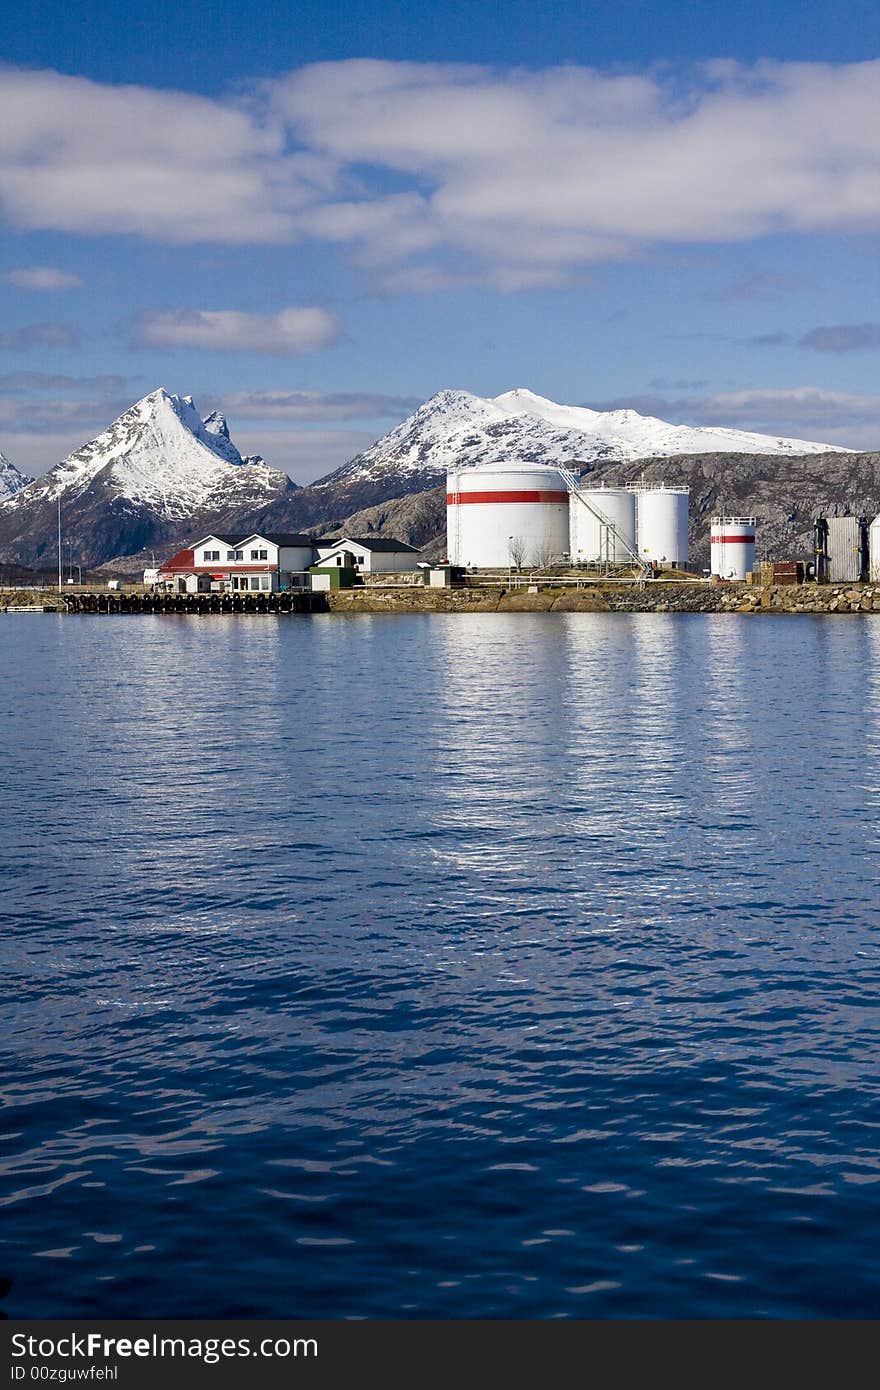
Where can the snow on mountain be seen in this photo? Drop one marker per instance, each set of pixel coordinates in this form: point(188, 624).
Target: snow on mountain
point(644, 436)
point(160, 454)
point(11, 480)
point(455, 427)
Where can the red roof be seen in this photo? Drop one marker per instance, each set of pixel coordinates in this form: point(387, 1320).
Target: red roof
point(183, 560)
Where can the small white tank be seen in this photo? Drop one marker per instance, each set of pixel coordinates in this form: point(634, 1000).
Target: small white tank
point(591, 539)
point(732, 546)
point(503, 514)
point(663, 524)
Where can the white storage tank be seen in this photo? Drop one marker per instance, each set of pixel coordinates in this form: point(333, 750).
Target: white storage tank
point(506, 514)
point(592, 537)
point(732, 546)
point(874, 551)
point(662, 524)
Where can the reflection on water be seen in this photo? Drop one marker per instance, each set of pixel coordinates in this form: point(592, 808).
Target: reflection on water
point(493, 965)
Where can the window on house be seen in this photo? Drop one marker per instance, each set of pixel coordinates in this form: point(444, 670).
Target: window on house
point(259, 554)
point(339, 559)
point(360, 559)
point(235, 554)
point(212, 554)
point(255, 582)
point(265, 582)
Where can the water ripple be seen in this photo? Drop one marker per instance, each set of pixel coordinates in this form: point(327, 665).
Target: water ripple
point(504, 966)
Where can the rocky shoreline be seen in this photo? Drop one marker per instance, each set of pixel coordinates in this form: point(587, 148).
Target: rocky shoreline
point(828, 599)
point(615, 598)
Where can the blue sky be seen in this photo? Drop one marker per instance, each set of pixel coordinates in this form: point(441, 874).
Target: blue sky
point(315, 216)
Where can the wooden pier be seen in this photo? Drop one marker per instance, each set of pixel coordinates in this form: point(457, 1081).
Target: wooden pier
point(199, 605)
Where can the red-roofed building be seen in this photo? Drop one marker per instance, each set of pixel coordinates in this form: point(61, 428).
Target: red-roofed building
point(262, 561)
point(181, 563)
point(253, 562)
point(179, 572)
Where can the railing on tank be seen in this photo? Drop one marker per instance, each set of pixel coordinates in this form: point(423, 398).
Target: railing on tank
point(645, 486)
point(573, 483)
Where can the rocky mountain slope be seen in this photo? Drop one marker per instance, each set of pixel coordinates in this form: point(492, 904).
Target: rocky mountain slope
point(419, 519)
point(785, 494)
point(157, 475)
point(11, 480)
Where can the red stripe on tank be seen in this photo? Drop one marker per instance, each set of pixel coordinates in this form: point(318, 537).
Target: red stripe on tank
point(460, 498)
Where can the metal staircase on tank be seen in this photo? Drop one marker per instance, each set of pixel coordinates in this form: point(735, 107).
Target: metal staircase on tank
point(455, 548)
point(573, 483)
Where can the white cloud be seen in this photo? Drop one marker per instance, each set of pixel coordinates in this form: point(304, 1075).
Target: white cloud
point(20, 383)
point(42, 277)
point(515, 173)
point(77, 156)
point(842, 337)
point(304, 454)
point(39, 335)
point(35, 452)
point(45, 416)
point(316, 405)
point(429, 279)
point(288, 333)
point(571, 165)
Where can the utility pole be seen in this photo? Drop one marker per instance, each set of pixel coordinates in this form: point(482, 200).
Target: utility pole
point(60, 561)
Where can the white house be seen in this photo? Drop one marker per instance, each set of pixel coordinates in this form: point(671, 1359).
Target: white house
point(370, 554)
point(256, 562)
point(269, 560)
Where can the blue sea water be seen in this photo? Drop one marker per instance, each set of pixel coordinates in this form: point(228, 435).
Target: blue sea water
point(424, 966)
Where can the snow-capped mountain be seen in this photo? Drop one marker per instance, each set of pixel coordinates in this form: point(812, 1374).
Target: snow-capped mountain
point(455, 427)
point(155, 475)
point(11, 479)
point(161, 454)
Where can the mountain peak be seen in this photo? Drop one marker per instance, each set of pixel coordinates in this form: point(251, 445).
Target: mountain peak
point(11, 479)
point(522, 393)
point(449, 400)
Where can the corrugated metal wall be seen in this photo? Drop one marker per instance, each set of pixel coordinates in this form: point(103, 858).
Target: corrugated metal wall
point(844, 556)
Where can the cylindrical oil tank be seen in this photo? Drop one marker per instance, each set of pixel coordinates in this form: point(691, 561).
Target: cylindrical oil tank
point(602, 525)
point(874, 550)
point(506, 514)
point(732, 546)
point(662, 525)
